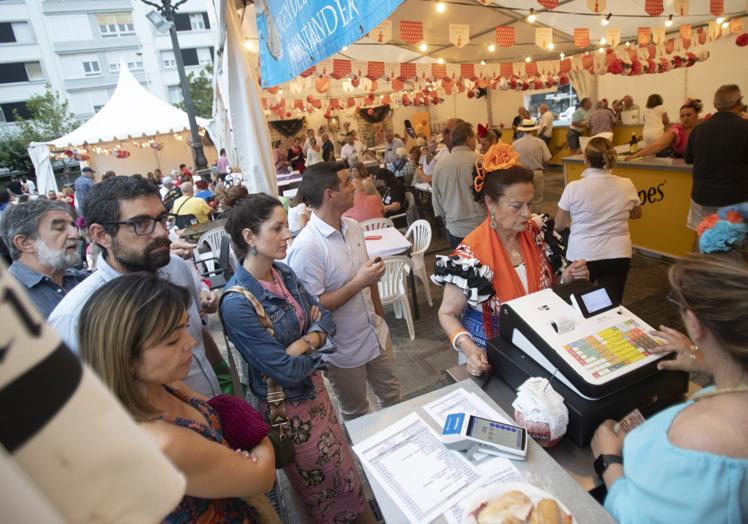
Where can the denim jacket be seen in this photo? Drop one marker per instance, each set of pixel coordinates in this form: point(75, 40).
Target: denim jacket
point(265, 354)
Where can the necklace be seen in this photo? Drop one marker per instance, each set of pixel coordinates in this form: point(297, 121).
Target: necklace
point(720, 391)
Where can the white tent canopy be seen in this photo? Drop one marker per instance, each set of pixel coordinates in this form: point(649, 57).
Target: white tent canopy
point(131, 112)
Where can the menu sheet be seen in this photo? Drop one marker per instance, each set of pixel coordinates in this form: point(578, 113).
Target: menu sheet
point(416, 470)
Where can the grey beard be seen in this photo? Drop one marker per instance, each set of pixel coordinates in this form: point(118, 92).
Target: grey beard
point(58, 260)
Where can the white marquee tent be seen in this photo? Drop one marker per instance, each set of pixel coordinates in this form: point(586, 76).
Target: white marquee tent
point(131, 114)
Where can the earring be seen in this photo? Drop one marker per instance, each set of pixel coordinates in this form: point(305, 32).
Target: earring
point(493, 220)
point(252, 250)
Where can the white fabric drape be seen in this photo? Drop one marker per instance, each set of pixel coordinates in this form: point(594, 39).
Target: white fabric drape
point(249, 130)
point(584, 84)
point(45, 176)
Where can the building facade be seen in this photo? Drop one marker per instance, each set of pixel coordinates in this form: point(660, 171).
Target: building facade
point(76, 46)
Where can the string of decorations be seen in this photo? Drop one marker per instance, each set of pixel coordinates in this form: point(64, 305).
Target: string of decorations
point(120, 150)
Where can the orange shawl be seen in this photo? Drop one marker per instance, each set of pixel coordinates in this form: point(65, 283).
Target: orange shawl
point(486, 247)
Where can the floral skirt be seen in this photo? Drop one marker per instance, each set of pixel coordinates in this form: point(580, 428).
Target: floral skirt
point(323, 473)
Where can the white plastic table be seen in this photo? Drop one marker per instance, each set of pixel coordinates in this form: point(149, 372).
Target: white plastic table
point(392, 242)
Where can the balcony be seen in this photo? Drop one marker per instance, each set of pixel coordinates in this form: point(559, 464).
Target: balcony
point(85, 6)
point(96, 45)
point(99, 82)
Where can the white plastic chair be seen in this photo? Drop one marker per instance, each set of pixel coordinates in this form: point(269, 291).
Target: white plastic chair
point(376, 223)
point(419, 234)
point(207, 258)
point(392, 289)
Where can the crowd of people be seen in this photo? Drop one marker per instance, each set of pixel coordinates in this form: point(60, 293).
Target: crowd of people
point(303, 300)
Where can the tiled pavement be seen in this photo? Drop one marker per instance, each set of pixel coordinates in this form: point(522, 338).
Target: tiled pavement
point(421, 363)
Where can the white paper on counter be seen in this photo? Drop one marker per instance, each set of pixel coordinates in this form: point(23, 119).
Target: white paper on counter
point(494, 471)
point(460, 401)
point(419, 473)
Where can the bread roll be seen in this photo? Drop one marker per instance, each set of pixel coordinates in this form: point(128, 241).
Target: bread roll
point(546, 511)
point(510, 508)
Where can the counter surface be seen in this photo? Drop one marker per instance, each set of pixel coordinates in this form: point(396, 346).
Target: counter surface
point(653, 163)
point(540, 469)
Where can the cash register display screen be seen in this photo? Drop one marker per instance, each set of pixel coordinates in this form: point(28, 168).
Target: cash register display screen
point(597, 300)
point(496, 433)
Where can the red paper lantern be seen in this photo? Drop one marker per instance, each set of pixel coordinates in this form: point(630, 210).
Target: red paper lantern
point(742, 40)
point(471, 94)
point(309, 98)
point(327, 115)
point(370, 112)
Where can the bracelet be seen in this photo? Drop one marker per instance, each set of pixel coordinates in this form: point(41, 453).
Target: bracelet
point(308, 340)
point(456, 335)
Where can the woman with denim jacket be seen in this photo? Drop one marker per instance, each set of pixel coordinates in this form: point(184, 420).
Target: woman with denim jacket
point(323, 472)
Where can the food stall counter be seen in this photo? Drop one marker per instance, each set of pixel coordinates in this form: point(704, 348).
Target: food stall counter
point(664, 187)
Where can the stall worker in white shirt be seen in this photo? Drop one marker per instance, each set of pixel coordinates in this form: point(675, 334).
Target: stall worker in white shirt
point(533, 154)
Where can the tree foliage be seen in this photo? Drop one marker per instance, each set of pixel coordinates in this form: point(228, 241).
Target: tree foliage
point(50, 118)
point(201, 89)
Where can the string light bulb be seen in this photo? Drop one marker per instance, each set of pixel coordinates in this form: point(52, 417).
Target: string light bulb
point(562, 56)
point(550, 46)
point(720, 19)
point(725, 25)
point(528, 59)
point(531, 18)
point(482, 62)
point(669, 21)
point(628, 44)
point(345, 48)
point(441, 7)
point(440, 60)
point(601, 50)
point(491, 48)
point(423, 47)
point(606, 19)
point(603, 41)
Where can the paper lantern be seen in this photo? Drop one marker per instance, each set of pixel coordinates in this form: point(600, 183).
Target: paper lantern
point(411, 32)
point(653, 7)
point(505, 36)
point(582, 37)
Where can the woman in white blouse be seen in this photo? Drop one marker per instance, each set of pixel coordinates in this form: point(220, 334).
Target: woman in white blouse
point(655, 120)
point(599, 207)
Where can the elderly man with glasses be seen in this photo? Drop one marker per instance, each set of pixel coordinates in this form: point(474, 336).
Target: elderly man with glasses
point(127, 220)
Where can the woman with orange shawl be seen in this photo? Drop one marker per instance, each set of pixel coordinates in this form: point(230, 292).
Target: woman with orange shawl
point(509, 255)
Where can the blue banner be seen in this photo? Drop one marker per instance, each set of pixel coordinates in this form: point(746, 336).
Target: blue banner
point(296, 34)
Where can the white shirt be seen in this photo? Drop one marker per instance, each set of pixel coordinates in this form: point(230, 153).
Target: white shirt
point(294, 217)
point(30, 187)
point(532, 152)
point(599, 205)
point(390, 152)
point(653, 119)
point(546, 124)
point(313, 156)
point(350, 153)
point(65, 317)
point(306, 145)
point(163, 190)
point(326, 259)
point(428, 167)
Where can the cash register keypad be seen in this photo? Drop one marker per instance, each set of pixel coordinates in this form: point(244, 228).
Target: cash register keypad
point(611, 348)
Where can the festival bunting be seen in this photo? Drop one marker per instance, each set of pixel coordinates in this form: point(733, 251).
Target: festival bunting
point(382, 34)
point(340, 68)
point(507, 70)
point(596, 6)
point(531, 69)
point(643, 36)
point(549, 4)
point(681, 7)
point(543, 37)
point(505, 36)
point(613, 36)
point(411, 32)
point(658, 35)
point(653, 7)
point(459, 34)
point(375, 70)
point(717, 7)
point(685, 31)
point(581, 37)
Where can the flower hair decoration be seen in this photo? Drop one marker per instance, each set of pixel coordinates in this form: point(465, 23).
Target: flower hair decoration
point(499, 156)
point(723, 232)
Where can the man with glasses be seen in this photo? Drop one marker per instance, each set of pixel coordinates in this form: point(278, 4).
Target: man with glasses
point(128, 221)
point(43, 242)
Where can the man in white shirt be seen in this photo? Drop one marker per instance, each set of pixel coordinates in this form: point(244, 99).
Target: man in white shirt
point(545, 123)
point(533, 154)
point(128, 221)
point(352, 151)
point(308, 142)
point(166, 184)
point(392, 144)
point(329, 256)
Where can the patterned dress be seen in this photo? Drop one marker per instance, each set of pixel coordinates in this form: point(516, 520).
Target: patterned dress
point(207, 511)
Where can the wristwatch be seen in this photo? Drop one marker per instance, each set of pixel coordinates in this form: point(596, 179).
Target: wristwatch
point(604, 461)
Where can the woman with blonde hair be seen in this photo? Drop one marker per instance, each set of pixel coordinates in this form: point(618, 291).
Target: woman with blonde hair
point(134, 334)
point(599, 207)
point(689, 463)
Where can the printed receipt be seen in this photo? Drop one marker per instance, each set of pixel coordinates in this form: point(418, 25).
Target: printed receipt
point(419, 473)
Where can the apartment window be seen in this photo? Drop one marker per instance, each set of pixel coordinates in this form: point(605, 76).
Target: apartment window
point(189, 57)
point(9, 110)
point(115, 24)
point(91, 68)
point(175, 94)
point(135, 65)
point(20, 72)
point(114, 68)
point(191, 21)
point(168, 60)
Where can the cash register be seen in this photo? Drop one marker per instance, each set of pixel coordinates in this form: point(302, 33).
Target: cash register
point(593, 350)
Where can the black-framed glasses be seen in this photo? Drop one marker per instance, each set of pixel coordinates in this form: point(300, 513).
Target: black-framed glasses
point(143, 225)
point(671, 297)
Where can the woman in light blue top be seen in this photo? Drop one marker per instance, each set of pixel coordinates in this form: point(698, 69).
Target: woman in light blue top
point(689, 463)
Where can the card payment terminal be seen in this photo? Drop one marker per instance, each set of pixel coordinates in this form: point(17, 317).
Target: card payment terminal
point(465, 432)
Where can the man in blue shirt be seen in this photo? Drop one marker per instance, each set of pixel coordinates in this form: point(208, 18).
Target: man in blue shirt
point(83, 185)
point(43, 242)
